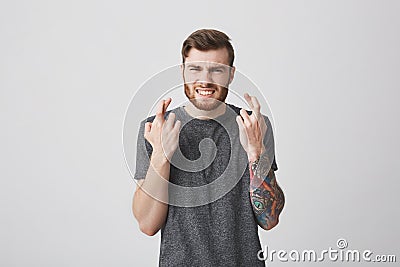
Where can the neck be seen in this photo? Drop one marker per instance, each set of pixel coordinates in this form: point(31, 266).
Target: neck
point(205, 114)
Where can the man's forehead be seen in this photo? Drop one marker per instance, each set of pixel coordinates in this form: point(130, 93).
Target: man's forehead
point(220, 56)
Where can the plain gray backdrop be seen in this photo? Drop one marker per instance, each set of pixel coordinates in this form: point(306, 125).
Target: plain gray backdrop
point(68, 69)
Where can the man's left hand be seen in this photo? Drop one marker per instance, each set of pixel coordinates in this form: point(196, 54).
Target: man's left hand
point(252, 129)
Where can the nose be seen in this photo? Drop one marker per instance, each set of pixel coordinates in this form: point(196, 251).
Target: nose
point(205, 76)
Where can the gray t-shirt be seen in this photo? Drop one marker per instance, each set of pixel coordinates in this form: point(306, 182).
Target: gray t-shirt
point(225, 231)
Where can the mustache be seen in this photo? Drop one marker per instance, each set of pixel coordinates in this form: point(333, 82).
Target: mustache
point(205, 85)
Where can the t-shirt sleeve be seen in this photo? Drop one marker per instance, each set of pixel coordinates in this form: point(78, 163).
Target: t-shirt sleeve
point(269, 143)
point(143, 153)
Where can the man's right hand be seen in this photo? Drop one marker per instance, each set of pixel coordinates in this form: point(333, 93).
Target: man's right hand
point(163, 135)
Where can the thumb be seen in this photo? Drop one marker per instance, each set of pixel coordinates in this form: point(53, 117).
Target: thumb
point(240, 123)
point(147, 127)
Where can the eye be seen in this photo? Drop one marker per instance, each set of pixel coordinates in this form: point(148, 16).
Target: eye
point(258, 204)
point(194, 68)
point(217, 70)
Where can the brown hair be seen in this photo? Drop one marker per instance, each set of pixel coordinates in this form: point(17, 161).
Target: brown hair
point(208, 39)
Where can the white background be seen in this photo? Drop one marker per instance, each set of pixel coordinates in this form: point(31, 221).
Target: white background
point(68, 69)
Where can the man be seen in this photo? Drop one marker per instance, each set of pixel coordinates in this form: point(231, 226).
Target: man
point(223, 231)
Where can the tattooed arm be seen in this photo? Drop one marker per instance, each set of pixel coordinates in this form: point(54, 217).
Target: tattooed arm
point(266, 196)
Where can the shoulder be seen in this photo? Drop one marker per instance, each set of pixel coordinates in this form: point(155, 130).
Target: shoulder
point(234, 108)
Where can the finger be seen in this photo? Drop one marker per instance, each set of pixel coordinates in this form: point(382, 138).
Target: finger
point(245, 117)
point(256, 104)
point(263, 124)
point(147, 127)
point(255, 107)
point(253, 103)
point(160, 110)
point(170, 121)
point(239, 121)
point(248, 99)
point(177, 126)
point(166, 104)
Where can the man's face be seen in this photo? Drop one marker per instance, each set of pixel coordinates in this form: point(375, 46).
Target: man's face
point(207, 75)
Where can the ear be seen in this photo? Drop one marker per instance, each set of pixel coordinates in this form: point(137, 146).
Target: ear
point(232, 70)
point(182, 67)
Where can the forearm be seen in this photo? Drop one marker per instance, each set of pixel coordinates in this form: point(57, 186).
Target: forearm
point(150, 198)
point(267, 197)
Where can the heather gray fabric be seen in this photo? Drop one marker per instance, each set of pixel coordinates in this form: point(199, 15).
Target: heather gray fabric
point(221, 233)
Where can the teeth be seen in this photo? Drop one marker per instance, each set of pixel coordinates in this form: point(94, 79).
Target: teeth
point(204, 92)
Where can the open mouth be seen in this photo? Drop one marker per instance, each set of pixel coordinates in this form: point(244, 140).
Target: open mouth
point(205, 92)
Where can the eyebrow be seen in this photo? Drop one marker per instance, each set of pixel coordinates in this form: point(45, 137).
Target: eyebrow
point(193, 65)
point(217, 67)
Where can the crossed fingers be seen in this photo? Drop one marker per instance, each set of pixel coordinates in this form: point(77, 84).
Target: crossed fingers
point(255, 107)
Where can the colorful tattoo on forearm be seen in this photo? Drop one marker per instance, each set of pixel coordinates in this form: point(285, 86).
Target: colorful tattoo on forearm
point(266, 196)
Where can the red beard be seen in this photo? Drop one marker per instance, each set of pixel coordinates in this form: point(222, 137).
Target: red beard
point(206, 103)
